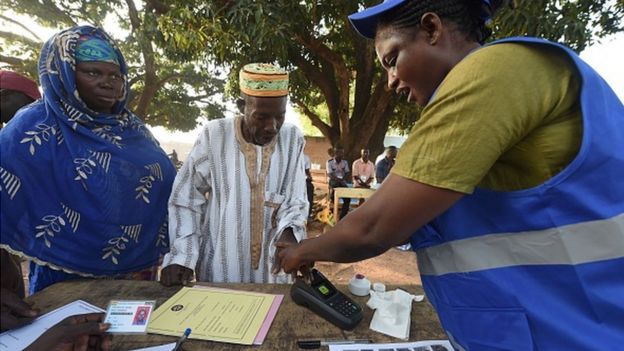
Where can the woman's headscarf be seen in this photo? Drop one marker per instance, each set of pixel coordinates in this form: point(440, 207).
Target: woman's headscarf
point(82, 191)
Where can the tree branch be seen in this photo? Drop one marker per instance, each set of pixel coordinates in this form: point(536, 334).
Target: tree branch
point(148, 57)
point(375, 110)
point(18, 37)
point(318, 78)
point(21, 26)
point(13, 61)
point(51, 12)
point(159, 7)
point(342, 76)
point(327, 131)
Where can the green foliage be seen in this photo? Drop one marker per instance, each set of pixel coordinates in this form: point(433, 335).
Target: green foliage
point(296, 33)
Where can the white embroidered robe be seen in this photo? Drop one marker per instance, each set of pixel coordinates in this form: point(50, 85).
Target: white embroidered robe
point(211, 208)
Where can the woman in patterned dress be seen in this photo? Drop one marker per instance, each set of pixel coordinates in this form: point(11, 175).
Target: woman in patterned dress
point(84, 184)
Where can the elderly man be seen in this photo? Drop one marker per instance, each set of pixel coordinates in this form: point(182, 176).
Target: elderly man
point(241, 190)
point(16, 91)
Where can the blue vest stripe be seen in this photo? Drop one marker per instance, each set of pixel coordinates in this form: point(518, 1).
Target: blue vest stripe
point(572, 244)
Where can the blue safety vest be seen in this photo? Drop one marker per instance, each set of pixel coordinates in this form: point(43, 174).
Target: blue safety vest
point(541, 268)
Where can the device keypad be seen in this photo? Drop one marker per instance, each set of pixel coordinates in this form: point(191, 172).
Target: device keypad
point(346, 307)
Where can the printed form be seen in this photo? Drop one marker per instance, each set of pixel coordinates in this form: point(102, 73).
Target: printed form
point(232, 316)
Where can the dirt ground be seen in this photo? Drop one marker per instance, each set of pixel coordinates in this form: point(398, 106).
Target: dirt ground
point(393, 267)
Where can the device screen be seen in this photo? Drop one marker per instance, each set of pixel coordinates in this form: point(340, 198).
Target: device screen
point(325, 290)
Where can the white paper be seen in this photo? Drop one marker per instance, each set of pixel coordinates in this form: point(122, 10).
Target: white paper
point(19, 339)
point(392, 312)
point(428, 345)
point(166, 347)
point(128, 316)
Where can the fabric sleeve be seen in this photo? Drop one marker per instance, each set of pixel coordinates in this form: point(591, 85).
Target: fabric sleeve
point(329, 169)
point(355, 170)
point(293, 212)
point(188, 204)
point(380, 170)
point(488, 103)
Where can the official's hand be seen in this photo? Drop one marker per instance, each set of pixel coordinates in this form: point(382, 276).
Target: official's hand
point(75, 333)
point(286, 239)
point(291, 261)
point(175, 275)
point(14, 312)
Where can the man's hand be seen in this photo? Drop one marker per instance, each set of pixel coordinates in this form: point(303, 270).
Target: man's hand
point(175, 275)
point(286, 239)
point(75, 333)
point(291, 261)
point(13, 311)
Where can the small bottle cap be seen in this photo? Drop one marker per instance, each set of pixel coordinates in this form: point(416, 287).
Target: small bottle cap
point(379, 287)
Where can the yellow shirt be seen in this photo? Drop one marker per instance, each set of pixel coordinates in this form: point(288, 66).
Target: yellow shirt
point(506, 117)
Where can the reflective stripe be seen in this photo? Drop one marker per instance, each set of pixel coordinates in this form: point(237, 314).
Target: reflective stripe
point(571, 244)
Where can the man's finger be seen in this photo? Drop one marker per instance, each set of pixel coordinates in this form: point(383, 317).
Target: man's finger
point(88, 328)
point(90, 317)
point(9, 321)
point(15, 305)
point(282, 245)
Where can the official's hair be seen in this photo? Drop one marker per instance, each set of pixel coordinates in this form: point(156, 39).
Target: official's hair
point(470, 16)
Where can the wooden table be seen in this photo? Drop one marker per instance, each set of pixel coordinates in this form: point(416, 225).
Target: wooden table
point(291, 323)
point(353, 193)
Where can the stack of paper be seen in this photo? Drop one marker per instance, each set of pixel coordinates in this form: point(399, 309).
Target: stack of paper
point(232, 316)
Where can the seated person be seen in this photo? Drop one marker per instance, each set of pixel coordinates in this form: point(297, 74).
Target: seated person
point(383, 167)
point(363, 171)
point(337, 175)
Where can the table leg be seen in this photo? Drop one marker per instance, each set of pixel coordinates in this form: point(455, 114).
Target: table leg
point(336, 200)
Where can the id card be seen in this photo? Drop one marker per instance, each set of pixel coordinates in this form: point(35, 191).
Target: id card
point(129, 316)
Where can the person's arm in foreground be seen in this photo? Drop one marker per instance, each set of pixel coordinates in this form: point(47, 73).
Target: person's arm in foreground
point(75, 333)
point(14, 312)
point(387, 219)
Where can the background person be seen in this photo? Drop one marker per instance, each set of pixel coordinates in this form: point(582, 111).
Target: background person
point(85, 188)
point(16, 91)
point(515, 209)
point(309, 185)
point(383, 166)
point(337, 175)
point(363, 170)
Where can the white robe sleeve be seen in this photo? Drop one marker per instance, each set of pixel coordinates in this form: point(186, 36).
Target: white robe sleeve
point(293, 213)
point(187, 205)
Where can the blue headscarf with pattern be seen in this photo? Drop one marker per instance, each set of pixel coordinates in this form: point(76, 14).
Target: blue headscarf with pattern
point(82, 192)
point(93, 49)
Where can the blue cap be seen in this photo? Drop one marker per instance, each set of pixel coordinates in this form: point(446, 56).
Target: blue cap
point(365, 22)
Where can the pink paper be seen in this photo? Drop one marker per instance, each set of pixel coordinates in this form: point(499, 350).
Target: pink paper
point(268, 320)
